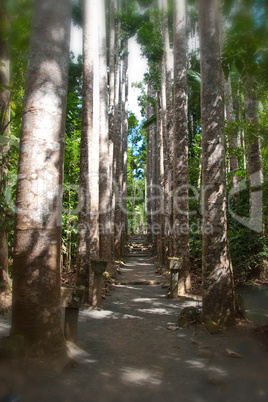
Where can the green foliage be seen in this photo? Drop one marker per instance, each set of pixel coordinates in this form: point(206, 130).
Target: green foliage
point(77, 12)
point(136, 173)
point(151, 41)
point(146, 3)
point(245, 46)
point(130, 18)
point(75, 81)
point(16, 17)
point(72, 161)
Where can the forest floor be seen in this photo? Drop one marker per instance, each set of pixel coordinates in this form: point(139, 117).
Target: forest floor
point(132, 349)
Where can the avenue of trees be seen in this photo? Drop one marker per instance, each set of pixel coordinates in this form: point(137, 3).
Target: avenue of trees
point(78, 172)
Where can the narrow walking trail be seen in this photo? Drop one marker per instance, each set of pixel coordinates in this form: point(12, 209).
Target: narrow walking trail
point(126, 351)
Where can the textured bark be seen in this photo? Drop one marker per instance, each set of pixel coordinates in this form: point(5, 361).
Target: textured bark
point(124, 145)
point(149, 166)
point(153, 191)
point(169, 129)
point(88, 220)
point(218, 287)
point(164, 144)
point(232, 135)
point(160, 185)
point(118, 172)
point(105, 189)
point(36, 308)
point(230, 119)
point(180, 184)
point(255, 168)
point(4, 131)
point(112, 116)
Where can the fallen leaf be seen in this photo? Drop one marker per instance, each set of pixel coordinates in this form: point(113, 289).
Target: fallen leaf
point(216, 379)
point(231, 353)
point(199, 343)
point(172, 328)
point(207, 354)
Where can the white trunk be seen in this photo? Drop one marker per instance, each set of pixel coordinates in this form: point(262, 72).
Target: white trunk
point(36, 304)
point(104, 194)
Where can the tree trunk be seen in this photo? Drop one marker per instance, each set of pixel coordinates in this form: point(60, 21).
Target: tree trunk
point(180, 184)
point(124, 145)
point(232, 134)
point(4, 131)
point(112, 116)
point(218, 286)
point(169, 129)
point(164, 142)
point(255, 168)
point(36, 309)
point(118, 165)
point(105, 193)
point(88, 219)
point(160, 185)
point(149, 178)
point(153, 136)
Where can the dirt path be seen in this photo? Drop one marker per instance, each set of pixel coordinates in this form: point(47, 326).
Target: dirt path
point(127, 353)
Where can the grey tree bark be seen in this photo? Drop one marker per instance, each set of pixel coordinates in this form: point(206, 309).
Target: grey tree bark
point(232, 135)
point(169, 130)
point(112, 64)
point(104, 160)
point(180, 174)
point(36, 307)
point(118, 161)
point(4, 146)
point(88, 220)
point(218, 286)
point(153, 182)
point(124, 145)
point(255, 167)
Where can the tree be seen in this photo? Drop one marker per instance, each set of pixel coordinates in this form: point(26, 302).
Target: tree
point(245, 56)
point(124, 144)
point(218, 286)
point(105, 165)
point(255, 168)
point(111, 120)
point(88, 220)
point(180, 184)
point(4, 140)
point(151, 175)
point(36, 308)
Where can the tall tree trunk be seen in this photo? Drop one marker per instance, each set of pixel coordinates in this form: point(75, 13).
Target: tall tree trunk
point(255, 168)
point(180, 184)
point(105, 193)
point(164, 141)
point(160, 185)
point(218, 286)
point(88, 220)
point(232, 134)
point(169, 129)
point(124, 144)
point(112, 116)
point(153, 136)
point(230, 119)
point(149, 178)
point(36, 308)
point(118, 153)
point(4, 131)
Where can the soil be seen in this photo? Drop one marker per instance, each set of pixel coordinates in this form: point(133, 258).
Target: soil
point(133, 350)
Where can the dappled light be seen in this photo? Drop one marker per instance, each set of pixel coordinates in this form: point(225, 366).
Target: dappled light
point(133, 232)
point(80, 355)
point(142, 377)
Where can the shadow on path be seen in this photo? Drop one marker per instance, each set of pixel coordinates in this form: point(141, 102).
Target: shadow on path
point(127, 353)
